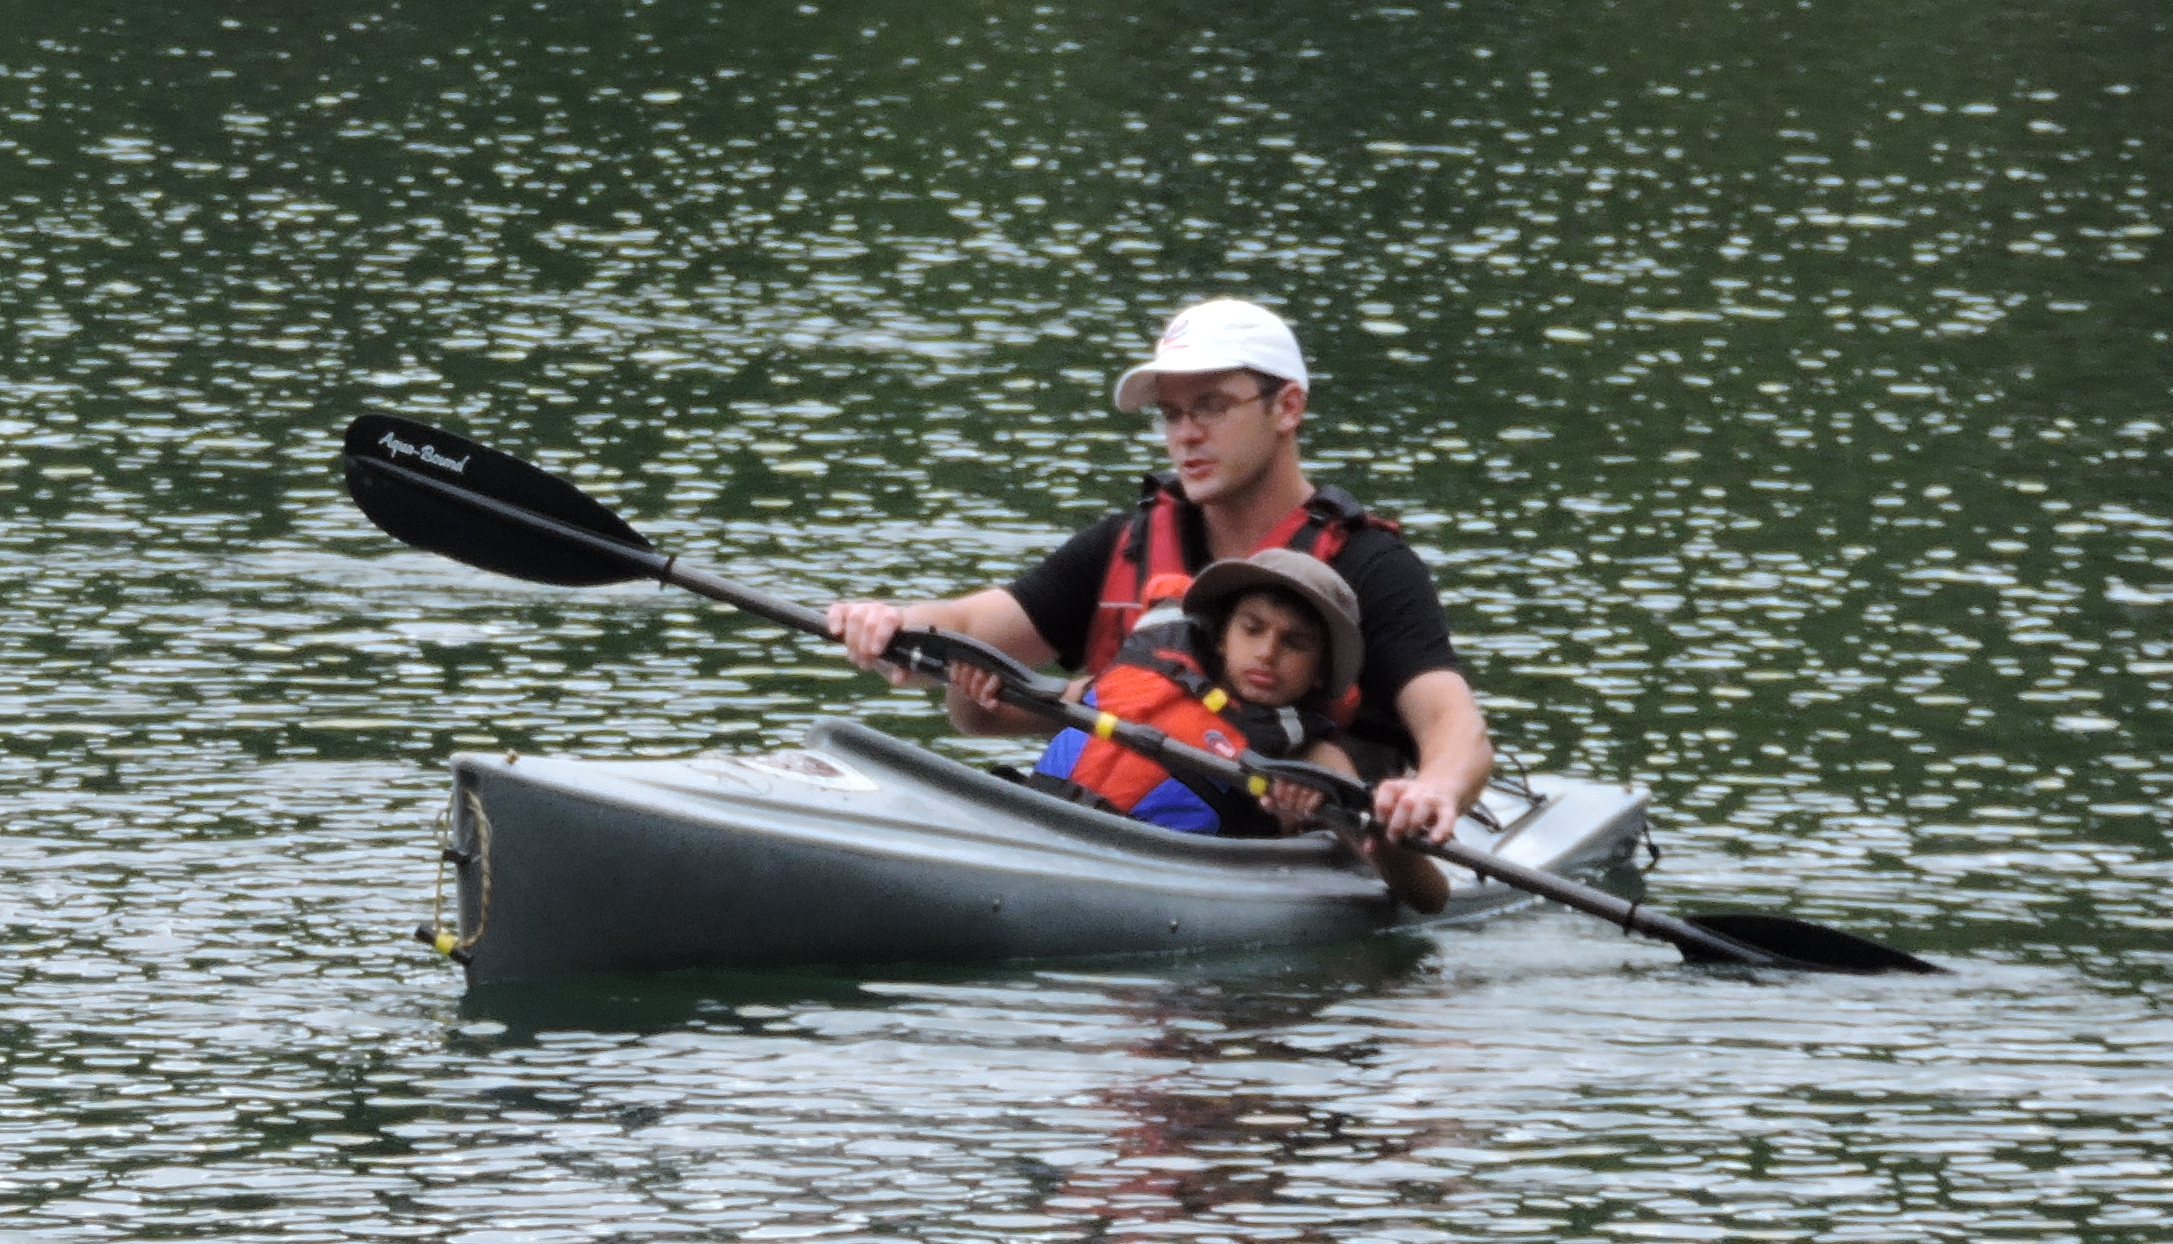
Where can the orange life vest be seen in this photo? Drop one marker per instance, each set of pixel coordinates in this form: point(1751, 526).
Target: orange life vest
point(1157, 678)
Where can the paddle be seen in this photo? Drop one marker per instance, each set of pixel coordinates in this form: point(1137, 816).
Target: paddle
point(451, 495)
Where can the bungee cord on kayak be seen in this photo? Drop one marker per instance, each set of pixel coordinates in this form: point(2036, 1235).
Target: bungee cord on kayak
point(437, 934)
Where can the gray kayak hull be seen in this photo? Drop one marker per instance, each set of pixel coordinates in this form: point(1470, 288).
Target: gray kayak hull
point(860, 849)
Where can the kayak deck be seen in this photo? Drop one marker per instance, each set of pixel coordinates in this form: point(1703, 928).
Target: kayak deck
point(861, 849)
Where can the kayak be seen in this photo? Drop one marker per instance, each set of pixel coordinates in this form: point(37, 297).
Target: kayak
point(859, 849)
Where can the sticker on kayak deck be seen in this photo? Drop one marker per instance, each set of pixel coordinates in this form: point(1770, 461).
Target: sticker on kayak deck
point(730, 771)
point(812, 769)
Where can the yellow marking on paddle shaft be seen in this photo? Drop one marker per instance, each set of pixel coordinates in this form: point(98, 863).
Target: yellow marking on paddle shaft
point(1106, 723)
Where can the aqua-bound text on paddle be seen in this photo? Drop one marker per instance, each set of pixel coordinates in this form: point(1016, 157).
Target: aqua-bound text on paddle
point(394, 447)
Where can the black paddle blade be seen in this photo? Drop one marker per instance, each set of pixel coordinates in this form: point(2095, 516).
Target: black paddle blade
point(1809, 946)
point(474, 504)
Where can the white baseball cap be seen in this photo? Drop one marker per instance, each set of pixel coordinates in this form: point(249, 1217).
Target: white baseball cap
point(1216, 336)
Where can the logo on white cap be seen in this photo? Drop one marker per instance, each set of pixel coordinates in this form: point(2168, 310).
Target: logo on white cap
point(1173, 337)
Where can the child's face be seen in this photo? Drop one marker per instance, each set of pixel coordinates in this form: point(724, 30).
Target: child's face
point(1271, 653)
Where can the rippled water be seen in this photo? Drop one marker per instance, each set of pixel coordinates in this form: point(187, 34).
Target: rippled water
point(1782, 400)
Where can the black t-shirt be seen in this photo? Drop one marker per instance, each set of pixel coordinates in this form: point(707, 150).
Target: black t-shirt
point(1399, 610)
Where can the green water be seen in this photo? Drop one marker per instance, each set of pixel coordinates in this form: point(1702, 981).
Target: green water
point(1780, 394)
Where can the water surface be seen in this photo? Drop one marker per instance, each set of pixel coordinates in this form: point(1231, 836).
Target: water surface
point(1780, 398)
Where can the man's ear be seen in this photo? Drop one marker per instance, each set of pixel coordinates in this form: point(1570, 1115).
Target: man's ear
point(1288, 408)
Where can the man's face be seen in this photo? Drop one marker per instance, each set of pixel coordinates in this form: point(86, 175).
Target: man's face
point(1222, 430)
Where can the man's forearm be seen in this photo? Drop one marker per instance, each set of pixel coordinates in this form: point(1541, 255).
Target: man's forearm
point(1461, 765)
point(1455, 755)
point(949, 615)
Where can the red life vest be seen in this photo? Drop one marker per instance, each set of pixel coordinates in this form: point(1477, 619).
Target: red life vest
point(1154, 546)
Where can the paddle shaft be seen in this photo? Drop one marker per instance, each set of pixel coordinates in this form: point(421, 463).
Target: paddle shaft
point(929, 652)
point(1146, 740)
point(640, 562)
point(1175, 753)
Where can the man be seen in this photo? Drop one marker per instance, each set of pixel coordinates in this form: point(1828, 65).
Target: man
point(1230, 389)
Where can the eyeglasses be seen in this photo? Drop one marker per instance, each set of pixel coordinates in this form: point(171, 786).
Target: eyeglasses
point(1206, 410)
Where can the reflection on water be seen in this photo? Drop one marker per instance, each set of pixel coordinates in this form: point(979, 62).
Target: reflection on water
point(658, 1002)
point(1781, 403)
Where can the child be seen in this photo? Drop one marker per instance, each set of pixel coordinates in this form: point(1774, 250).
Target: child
point(1259, 653)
